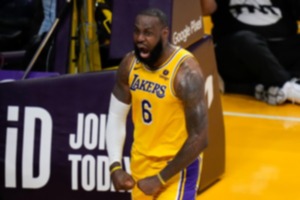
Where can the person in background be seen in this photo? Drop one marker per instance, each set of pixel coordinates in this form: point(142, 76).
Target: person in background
point(49, 8)
point(164, 86)
point(44, 61)
point(257, 48)
point(208, 7)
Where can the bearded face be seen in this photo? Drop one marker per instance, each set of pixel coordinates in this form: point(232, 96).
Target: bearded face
point(149, 58)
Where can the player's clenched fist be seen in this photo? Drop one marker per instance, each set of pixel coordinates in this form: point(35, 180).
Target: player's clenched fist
point(150, 185)
point(122, 180)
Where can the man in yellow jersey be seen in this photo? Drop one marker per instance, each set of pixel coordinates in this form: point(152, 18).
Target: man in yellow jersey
point(164, 85)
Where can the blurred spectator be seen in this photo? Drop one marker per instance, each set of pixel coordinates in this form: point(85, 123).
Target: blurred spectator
point(208, 7)
point(44, 60)
point(258, 48)
point(49, 8)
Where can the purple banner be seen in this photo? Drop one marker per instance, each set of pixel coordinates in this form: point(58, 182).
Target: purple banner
point(52, 141)
point(11, 75)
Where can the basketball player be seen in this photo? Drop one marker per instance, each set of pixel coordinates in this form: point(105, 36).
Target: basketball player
point(164, 85)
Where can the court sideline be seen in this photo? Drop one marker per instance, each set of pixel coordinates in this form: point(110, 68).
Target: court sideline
point(262, 151)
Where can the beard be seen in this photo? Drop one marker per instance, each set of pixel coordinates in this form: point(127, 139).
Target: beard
point(155, 54)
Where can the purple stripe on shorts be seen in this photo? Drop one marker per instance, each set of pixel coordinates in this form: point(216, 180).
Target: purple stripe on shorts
point(190, 185)
point(182, 179)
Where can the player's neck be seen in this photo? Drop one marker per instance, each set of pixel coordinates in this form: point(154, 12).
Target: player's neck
point(167, 52)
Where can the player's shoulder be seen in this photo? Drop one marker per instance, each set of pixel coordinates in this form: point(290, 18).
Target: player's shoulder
point(126, 62)
point(128, 58)
point(189, 61)
point(184, 54)
point(189, 65)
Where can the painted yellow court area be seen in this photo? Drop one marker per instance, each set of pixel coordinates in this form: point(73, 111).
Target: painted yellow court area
point(262, 151)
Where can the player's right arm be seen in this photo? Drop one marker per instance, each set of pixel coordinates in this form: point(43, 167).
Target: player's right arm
point(121, 89)
point(120, 103)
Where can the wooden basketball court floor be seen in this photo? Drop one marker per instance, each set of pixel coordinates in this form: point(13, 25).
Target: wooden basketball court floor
point(262, 151)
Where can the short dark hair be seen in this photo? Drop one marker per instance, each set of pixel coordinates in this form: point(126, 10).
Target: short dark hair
point(155, 12)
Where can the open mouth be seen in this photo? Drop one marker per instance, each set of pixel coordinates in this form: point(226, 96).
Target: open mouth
point(144, 52)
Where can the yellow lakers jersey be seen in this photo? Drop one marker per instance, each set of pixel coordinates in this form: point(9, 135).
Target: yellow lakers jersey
point(157, 114)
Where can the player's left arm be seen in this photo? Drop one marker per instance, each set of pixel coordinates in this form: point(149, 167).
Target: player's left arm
point(189, 87)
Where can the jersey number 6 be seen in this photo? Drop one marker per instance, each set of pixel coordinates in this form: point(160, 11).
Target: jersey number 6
point(146, 108)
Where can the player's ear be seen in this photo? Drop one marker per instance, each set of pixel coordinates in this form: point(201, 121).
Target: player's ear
point(165, 32)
